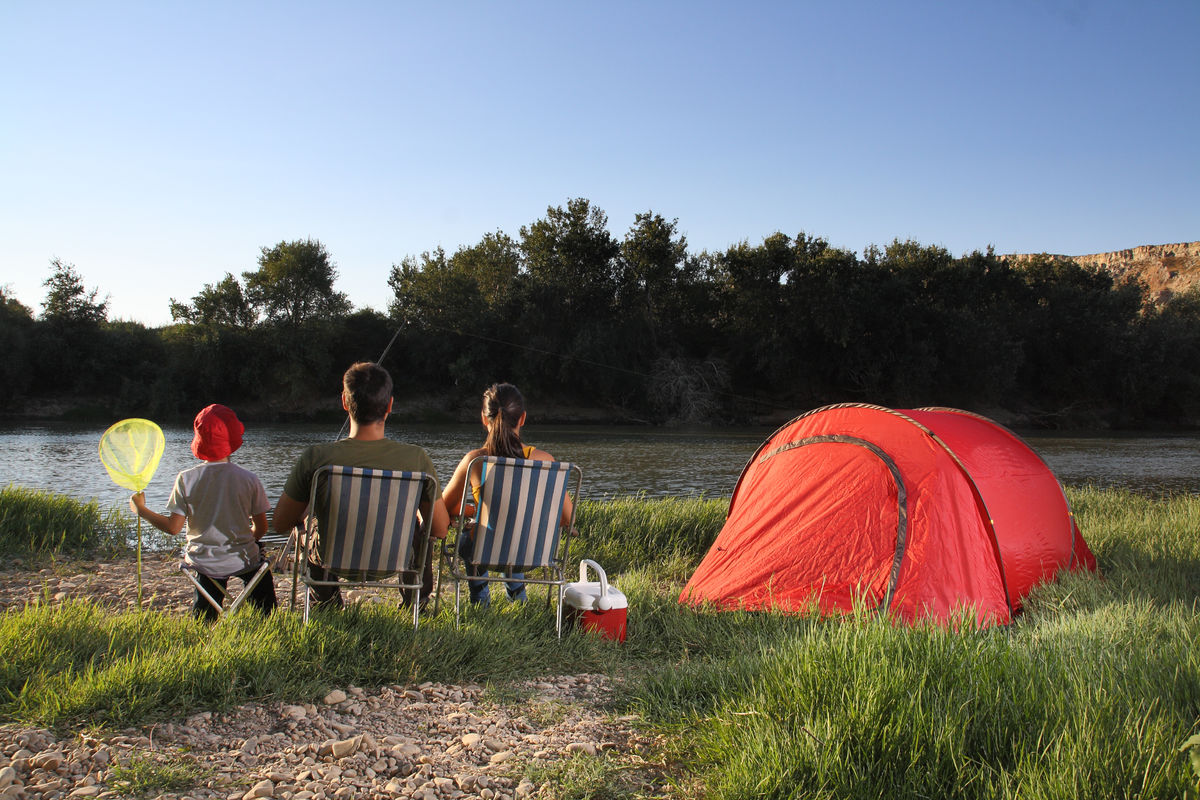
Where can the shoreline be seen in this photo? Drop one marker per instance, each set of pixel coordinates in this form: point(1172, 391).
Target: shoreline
point(447, 410)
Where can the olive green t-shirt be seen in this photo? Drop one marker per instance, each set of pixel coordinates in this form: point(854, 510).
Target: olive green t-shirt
point(375, 454)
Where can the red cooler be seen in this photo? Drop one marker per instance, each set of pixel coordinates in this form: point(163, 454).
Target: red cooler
point(595, 605)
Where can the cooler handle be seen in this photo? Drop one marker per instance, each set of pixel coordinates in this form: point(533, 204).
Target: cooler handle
point(603, 602)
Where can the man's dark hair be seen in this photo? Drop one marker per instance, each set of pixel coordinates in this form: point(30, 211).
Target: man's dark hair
point(367, 388)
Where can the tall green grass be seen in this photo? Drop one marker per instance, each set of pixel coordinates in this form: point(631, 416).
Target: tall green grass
point(34, 522)
point(668, 535)
point(1090, 693)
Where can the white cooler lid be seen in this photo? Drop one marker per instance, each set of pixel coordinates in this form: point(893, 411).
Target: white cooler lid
point(584, 595)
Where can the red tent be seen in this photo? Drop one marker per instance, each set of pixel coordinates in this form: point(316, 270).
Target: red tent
point(920, 513)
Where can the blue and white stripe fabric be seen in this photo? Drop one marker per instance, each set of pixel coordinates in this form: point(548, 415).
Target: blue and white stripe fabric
point(370, 518)
point(520, 504)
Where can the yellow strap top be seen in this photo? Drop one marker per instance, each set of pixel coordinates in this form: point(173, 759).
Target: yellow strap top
point(477, 491)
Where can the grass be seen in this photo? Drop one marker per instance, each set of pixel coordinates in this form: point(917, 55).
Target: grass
point(37, 523)
point(1091, 693)
point(141, 775)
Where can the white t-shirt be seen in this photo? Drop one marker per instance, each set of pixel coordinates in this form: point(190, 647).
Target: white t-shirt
point(218, 499)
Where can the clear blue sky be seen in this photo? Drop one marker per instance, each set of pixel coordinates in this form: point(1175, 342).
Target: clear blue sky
point(158, 145)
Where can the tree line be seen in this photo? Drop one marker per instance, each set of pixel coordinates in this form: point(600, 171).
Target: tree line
point(638, 325)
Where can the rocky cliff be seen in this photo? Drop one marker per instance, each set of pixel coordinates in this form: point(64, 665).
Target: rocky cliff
point(1165, 269)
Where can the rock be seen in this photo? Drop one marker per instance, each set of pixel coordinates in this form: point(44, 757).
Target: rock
point(587, 748)
point(335, 697)
point(295, 712)
point(469, 740)
point(263, 788)
point(48, 761)
point(501, 757)
point(345, 747)
point(86, 791)
point(406, 751)
point(7, 776)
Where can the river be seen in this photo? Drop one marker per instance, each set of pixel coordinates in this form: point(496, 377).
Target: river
point(62, 457)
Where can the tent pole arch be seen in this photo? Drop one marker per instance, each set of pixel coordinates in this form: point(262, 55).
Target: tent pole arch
point(901, 498)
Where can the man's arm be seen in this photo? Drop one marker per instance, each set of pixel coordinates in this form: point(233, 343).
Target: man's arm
point(441, 518)
point(289, 513)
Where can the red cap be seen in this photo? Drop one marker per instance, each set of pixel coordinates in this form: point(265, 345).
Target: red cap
point(218, 433)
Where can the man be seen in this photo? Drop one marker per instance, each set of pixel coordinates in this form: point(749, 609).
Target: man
point(367, 397)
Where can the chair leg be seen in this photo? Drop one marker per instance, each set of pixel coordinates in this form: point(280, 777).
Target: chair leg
point(457, 601)
point(437, 579)
point(295, 578)
point(559, 611)
point(217, 604)
point(249, 587)
point(416, 609)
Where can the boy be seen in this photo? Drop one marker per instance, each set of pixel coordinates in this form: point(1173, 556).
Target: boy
point(225, 507)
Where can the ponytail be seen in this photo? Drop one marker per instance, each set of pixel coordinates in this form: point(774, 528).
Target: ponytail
point(503, 407)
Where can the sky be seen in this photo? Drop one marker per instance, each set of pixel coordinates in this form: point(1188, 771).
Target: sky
point(158, 145)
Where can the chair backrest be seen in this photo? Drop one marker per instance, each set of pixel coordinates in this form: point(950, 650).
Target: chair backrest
point(366, 518)
point(520, 503)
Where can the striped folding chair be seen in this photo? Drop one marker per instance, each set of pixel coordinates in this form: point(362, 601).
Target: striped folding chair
point(516, 525)
point(367, 530)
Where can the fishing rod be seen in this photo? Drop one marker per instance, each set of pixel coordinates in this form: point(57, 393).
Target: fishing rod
point(382, 356)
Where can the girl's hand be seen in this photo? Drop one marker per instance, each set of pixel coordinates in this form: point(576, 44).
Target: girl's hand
point(137, 502)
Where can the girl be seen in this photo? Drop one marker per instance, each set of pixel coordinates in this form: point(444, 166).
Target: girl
point(503, 415)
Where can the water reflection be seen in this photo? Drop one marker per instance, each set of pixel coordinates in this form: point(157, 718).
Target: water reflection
point(616, 461)
point(1150, 465)
point(64, 458)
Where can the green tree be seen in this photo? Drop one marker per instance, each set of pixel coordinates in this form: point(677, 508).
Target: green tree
point(1076, 332)
point(294, 283)
point(753, 309)
point(223, 303)
point(11, 307)
point(16, 324)
point(570, 257)
point(462, 307)
point(651, 266)
point(567, 301)
point(67, 300)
